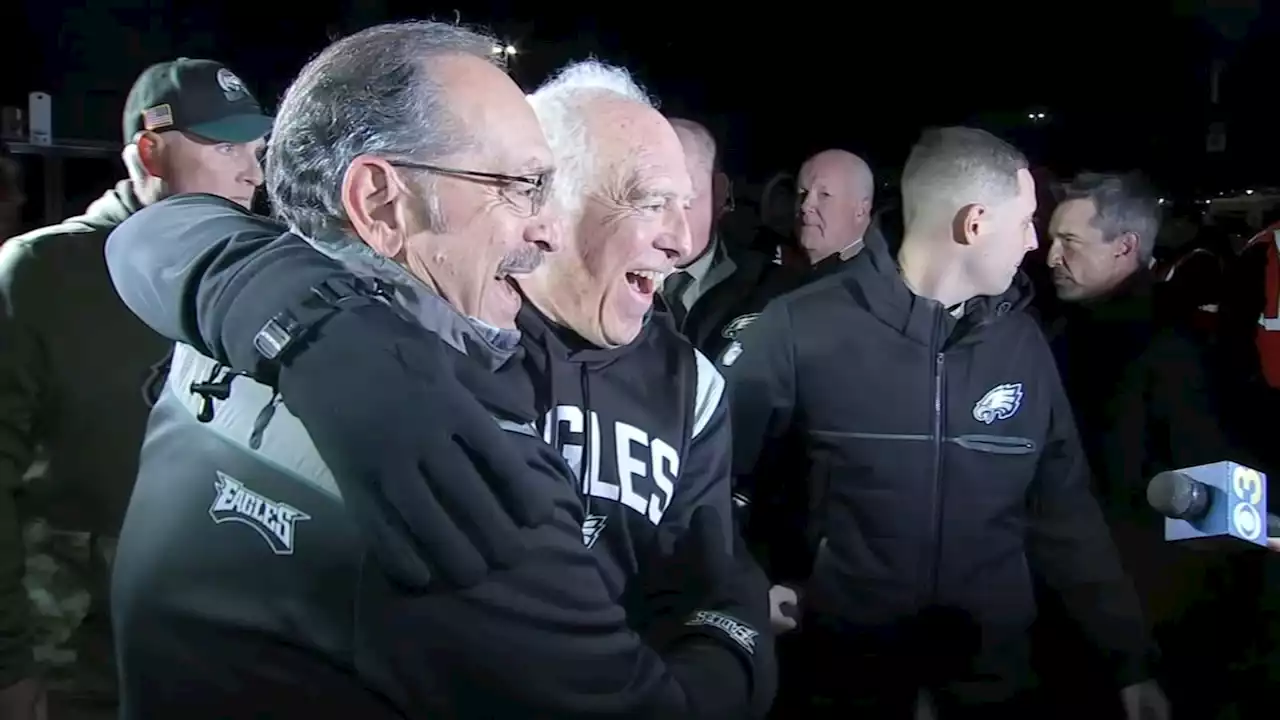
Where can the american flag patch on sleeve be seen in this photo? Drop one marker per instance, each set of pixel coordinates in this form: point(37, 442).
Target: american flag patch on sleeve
point(160, 116)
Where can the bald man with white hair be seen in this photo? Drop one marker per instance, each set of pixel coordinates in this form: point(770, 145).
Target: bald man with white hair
point(596, 344)
point(834, 194)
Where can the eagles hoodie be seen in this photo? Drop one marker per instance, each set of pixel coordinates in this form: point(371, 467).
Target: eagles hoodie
point(936, 459)
point(643, 426)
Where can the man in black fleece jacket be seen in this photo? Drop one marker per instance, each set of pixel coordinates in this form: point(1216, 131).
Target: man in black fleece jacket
point(943, 466)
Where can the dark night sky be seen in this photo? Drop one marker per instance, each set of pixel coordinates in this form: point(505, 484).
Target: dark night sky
point(1124, 83)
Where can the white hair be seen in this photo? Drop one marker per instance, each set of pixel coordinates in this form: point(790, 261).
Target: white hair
point(560, 104)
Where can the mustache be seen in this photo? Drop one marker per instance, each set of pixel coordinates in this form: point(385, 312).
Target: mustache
point(520, 262)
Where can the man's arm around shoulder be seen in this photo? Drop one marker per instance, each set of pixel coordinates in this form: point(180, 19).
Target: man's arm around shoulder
point(186, 266)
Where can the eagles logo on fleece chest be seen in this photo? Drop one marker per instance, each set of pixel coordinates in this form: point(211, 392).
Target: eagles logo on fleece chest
point(625, 463)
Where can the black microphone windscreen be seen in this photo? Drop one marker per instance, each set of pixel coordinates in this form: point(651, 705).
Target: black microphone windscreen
point(1175, 495)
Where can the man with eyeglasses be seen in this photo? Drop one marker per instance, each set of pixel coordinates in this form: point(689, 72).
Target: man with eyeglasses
point(366, 523)
point(73, 363)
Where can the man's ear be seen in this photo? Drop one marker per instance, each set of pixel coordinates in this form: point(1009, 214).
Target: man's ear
point(371, 195)
point(151, 151)
point(967, 224)
point(1126, 244)
point(721, 192)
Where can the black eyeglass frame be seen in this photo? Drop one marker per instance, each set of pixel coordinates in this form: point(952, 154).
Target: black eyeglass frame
point(539, 183)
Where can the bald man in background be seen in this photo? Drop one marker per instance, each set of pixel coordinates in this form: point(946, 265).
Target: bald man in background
point(834, 194)
point(718, 282)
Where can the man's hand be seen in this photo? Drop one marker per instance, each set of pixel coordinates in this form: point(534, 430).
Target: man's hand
point(1274, 544)
point(718, 594)
point(780, 596)
point(434, 480)
point(24, 700)
point(1144, 701)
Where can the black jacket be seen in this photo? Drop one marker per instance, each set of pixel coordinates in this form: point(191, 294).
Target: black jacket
point(73, 364)
point(730, 307)
point(651, 457)
point(754, 278)
point(1140, 387)
point(245, 586)
point(939, 457)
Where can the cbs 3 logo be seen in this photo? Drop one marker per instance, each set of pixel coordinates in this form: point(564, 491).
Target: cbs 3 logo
point(1247, 487)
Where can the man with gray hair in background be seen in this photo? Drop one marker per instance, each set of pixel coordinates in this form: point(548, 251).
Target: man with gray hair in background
point(344, 507)
point(943, 465)
point(721, 285)
point(1141, 392)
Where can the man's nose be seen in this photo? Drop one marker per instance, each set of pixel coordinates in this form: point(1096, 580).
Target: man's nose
point(253, 173)
point(543, 232)
point(676, 240)
point(1054, 259)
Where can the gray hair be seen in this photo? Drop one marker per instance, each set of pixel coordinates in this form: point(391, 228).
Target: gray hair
point(952, 167)
point(702, 139)
point(560, 104)
point(371, 93)
point(1124, 203)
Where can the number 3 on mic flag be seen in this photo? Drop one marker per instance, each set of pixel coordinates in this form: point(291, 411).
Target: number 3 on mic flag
point(1248, 493)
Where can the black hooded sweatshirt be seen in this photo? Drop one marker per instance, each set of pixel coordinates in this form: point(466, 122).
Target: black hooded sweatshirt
point(647, 420)
point(938, 457)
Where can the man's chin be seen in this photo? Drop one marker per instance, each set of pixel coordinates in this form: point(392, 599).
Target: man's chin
point(504, 319)
point(622, 332)
point(1066, 291)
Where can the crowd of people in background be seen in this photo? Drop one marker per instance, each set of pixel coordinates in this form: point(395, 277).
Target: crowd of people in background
point(929, 412)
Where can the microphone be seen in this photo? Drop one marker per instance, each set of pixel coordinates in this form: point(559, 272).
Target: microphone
point(1219, 503)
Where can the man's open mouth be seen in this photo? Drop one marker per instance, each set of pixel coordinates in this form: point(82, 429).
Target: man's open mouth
point(645, 282)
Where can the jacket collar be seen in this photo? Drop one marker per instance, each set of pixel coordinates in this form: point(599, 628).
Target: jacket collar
point(468, 335)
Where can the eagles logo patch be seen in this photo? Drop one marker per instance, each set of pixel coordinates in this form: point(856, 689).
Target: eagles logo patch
point(1000, 403)
point(232, 88)
point(737, 325)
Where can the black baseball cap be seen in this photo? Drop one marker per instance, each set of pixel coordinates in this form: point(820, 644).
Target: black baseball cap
point(201, 97)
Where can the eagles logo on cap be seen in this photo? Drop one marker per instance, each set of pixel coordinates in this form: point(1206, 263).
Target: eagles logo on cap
point(202, 98)
point(231, 85)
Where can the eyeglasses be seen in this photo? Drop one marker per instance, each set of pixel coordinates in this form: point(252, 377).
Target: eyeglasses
point(527, 193)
